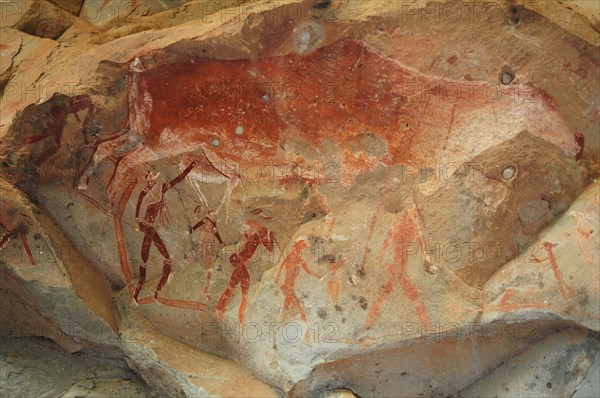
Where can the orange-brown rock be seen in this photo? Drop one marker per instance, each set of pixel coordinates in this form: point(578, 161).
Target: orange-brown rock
point(391, 198)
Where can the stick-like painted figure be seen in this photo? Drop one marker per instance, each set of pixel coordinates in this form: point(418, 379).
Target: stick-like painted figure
point(59, 120)
point(22, 233)
point(209, 226)
point(292, 264)
point(566, 291)
point(404, 232)
point(334, 283)
point(156, 202)
point(255, 234)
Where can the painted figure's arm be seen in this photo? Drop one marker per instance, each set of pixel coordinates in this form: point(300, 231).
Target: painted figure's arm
point(139, 202)
point(283, 263)
point(179, 178)
point(308, 271)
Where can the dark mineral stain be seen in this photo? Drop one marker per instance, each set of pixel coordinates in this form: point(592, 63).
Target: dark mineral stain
point(363, 303)
point(452, 60)
point(321, 5)
point(322, 313)
point(579, 139)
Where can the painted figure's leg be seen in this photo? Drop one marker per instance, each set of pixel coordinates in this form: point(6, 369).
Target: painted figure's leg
point(165, 276)
point(286, 307)
point(4, 239)
point(226, 296)
point(207, 285)
point(294, 300)
point(26, 246)
point(145, 254)
point(160, 245)
point(138, 288)
point(245, 285)
point(381, 298)
point(413, 295)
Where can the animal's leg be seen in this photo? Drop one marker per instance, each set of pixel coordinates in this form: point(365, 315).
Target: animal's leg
point(232, 179)
point(194, 183)
point(86, 121)
point(117, 162)
point(125, 166)
point(77, 104)
point(230, 185)
point(102, 150)
point(46, 155)
point(36, 138)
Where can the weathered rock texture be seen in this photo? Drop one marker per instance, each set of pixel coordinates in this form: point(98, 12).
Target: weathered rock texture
point(300, 198)
point(37, 368)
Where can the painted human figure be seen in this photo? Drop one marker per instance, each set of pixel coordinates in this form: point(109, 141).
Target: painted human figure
point(292, 264)
point(566, 291)
point(404, 232)
point(21, 229)
point(209, 228)
point(57, 124)
point(334, 283)
point(155, 195)
point(255, 234)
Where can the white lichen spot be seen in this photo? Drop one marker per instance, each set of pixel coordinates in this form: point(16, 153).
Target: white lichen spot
point(308, 36)
point(509, 172)
point(433, 269)
point(215, 142)
point(239, 130)
point(136, 65)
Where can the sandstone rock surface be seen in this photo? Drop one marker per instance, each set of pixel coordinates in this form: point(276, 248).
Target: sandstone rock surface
point(305, 197)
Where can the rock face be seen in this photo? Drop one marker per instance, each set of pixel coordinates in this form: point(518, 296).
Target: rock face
point(253, 199)
point(36, 367)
